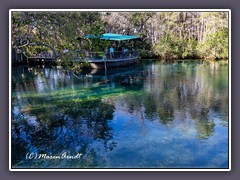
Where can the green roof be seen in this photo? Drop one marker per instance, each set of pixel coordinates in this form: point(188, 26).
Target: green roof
point(114, 37)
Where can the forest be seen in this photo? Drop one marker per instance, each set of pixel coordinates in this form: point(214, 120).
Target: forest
point(163, 103)
point(165, 35)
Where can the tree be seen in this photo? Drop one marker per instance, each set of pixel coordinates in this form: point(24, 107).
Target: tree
point(168, 35)
point(57, 29)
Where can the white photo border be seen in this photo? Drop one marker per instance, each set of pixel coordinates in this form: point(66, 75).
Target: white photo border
point(122, 10)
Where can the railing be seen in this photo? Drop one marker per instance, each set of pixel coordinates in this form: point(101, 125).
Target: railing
point(42, 55)
point(104, 55)
point(88, 55)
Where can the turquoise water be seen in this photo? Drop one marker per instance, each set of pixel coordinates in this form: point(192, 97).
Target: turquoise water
point(152, 115)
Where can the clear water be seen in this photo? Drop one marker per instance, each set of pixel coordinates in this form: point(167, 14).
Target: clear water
point(153, 115)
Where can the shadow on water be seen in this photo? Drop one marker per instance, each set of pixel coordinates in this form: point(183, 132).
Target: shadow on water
point(62, 127)
point(180, 107)
point(66, 120)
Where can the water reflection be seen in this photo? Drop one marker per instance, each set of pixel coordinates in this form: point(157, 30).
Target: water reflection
point(119, 119)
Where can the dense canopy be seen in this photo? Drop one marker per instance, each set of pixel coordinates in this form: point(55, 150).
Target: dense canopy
point(167, 35)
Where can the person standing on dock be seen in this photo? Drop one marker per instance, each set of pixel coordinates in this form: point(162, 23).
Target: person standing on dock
point(125, 52)
point(106, 55)
point(111, 52)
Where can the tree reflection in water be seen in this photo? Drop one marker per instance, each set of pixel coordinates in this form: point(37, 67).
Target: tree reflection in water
point(44, 123)
point(55, 111)
point(63, 128)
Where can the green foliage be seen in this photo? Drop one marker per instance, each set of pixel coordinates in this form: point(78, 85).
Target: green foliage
point(215, 46)
point(57, 29)
point(172, 47)
point(169, 35)
point(208, 38)
point(146, 54)
point(163, 49)
point(189, 48)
